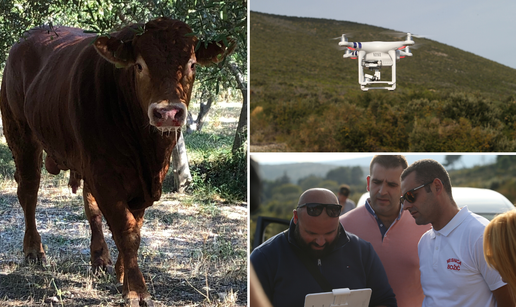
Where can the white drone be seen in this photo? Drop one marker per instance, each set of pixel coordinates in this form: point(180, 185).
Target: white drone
point(375, 55)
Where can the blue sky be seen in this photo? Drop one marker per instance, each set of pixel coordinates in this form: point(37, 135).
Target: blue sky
point(485, 28)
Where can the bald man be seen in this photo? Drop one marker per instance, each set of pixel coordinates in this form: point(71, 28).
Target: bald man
point(317, 255)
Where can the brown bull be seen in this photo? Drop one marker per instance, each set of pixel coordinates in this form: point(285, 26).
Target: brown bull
point(108, 112)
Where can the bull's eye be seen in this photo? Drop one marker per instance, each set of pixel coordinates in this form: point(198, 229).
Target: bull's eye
point(192, 66)
point(139, 67)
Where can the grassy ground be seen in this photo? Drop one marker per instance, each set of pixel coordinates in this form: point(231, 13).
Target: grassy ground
point(193, 250)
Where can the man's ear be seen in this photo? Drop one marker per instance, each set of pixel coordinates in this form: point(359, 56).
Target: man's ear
point(295, 216)
point(214, 52)
point(439, 188)
point(115, 51)
point(368, 180)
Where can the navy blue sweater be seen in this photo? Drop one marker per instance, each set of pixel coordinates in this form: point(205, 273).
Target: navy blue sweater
point(352, 264)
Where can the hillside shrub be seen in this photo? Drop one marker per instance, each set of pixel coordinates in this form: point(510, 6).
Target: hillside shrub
point(434, 134)
point(478, 110)
point(378, 121)
point(380, 127)
point(423, 107)
point(316, 132)
point(508, 116)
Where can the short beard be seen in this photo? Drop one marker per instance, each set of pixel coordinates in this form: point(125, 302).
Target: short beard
point(307, 247)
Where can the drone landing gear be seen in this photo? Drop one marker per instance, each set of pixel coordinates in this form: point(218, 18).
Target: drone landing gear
point(375, 79)
point(368, 81)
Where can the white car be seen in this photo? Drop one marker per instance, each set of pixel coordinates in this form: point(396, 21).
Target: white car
point(484, 202)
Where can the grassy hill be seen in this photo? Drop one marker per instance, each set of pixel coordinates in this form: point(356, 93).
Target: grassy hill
point(305, 96)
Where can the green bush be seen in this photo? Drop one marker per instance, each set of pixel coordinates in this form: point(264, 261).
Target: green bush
point(434, 134)
point(224, 174)
point(7, 167)
point(475, 108)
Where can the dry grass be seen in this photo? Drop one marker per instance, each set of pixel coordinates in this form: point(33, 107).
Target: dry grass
point(193, 252)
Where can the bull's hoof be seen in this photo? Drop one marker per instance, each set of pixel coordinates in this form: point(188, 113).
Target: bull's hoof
point(102, 269)
point(39, 258)
point(147, 302)
point(100, 265)
point(133, 302)
point(136, 302)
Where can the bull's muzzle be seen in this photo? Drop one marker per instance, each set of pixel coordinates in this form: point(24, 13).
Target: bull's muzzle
point(167, 116)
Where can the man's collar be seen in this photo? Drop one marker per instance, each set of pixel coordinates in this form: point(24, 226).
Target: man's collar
point(371, 210)
point(454, 222)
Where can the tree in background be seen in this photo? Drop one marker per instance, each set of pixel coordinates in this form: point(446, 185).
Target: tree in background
point(450, 160)
point(309, 182)
point(347, 175)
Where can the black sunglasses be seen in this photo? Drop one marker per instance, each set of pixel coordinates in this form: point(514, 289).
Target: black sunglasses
point(315, 209)
point(409, 196)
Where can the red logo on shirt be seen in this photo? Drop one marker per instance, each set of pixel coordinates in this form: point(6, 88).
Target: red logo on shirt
point(454, 264)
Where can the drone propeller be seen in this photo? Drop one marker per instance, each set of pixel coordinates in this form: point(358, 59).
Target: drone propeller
point(345, 35)
point(399, 34)
point(341, 39)
point(394, 33)
point(417, 45)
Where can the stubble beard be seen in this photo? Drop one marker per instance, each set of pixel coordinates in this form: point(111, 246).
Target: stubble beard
point(307, 247)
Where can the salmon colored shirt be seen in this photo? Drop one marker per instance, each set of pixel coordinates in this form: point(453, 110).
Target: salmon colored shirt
point(397, 250)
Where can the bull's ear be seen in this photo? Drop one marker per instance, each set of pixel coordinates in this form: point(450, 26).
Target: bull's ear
point(115, 51)
point(214, 52)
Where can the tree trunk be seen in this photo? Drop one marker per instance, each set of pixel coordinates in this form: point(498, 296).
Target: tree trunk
point(241, 133)
point(182, 175)
point(197, 124)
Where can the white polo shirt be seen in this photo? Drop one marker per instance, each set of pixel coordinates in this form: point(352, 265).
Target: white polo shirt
point(453, 269)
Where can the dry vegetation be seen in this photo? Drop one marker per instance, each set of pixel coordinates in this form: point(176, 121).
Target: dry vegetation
point(193, 251)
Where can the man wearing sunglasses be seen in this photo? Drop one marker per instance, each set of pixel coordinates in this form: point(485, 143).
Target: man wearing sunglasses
point(317, 255)
point(453, 269)
point(344, 200)
point(392, 231)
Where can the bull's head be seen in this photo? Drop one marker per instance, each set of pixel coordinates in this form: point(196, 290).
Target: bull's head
point(162, 58)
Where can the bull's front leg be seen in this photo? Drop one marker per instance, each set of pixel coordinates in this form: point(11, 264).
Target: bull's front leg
point(99, 251)
point(125, 226)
